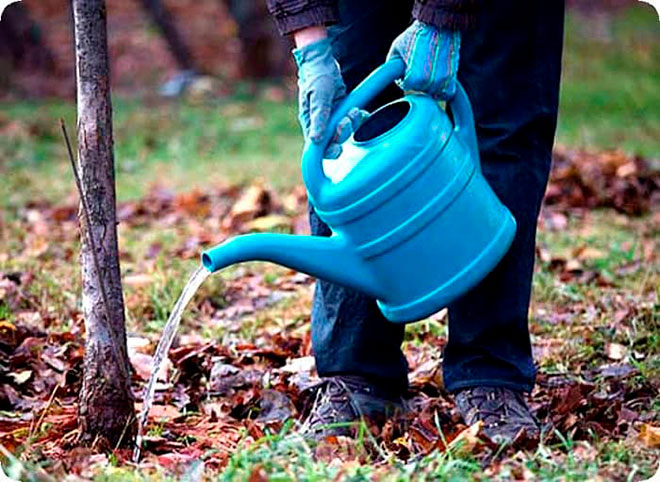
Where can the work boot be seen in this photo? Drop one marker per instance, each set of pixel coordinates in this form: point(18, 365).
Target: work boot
point(340, 403)
point(504, 413)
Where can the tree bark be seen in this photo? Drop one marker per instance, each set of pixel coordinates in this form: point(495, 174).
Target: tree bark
point(106, 409)
point(163, 20)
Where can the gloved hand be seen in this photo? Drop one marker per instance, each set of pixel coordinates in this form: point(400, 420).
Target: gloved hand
point(320, 89)
point(431, 58)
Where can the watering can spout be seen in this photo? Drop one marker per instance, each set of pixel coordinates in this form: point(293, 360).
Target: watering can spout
point(330, 258)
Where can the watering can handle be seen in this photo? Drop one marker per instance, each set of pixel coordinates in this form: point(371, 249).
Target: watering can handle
point(368, 89)
point(461, 111)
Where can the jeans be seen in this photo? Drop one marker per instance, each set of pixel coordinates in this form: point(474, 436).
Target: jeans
point(510, 65)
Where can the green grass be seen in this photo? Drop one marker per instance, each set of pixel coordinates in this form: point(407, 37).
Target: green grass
point(287, 458)
point(181, 145)
point(610, 95)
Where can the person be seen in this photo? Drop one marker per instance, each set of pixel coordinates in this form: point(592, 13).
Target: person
point(507, 56)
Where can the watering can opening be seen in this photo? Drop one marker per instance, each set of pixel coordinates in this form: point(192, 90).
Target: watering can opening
point(379, 126)
point(207, 262)
point(382, 121)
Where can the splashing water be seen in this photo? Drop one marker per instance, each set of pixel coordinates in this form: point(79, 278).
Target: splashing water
point(163, 347)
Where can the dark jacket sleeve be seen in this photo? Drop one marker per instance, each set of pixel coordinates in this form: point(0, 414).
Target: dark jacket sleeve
point(292, 15)
point(453, 14)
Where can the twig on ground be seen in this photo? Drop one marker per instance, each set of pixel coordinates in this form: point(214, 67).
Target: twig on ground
point(35, 429)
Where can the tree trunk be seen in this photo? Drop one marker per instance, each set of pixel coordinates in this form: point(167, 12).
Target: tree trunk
point(163, 20)
point(106, 410)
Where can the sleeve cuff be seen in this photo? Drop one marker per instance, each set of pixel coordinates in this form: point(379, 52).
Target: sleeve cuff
point(320, 15)
point(442, 18)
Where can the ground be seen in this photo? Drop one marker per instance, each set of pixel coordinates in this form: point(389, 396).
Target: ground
point(191, 173)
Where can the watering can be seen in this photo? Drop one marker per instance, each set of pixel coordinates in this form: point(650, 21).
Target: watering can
point(415, 224)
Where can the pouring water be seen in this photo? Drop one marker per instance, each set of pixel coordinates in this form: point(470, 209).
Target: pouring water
point(163, 347)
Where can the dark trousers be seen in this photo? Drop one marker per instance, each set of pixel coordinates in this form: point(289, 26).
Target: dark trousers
point(510, 66)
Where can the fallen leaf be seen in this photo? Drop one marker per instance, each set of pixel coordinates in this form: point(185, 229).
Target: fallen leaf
point(254, 202)
point(275, 406)
point(573, 265)
point(160, 412)
point(650, 435)
point(8, 333)
point(615, 351)
point(617, 371)
point(21, 377)
point(469, 440)
point(627, 169)
point(144, 364)
point(138, 280)
point(36, 246)
point(258, 474)
point(225, 377)
point(589, 253)
point(271, 222)
point(298, 365)
point(429, 372)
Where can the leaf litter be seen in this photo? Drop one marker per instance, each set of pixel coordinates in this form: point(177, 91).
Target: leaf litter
point(219, 394)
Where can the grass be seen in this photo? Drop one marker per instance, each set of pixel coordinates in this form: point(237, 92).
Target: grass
point(182, 145)
point(611, 72)
point(285, 457)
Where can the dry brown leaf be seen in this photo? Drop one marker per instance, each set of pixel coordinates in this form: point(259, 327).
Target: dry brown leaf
point(254, 202)
point(8, 332)
point(589, 253)
point(429, 372)
point(36, 246)
point(258, 474)
point(469, 440)
point(160, 412)
point(573, 265)
point(271, 222)
point(143, 365)
point(650, 435)
point(138, 280)
point(627, 169)
point(298, 365)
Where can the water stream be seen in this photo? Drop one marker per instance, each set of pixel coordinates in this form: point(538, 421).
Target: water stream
point(163, 348)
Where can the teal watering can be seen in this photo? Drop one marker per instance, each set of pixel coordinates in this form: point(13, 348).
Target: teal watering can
point(415, 224)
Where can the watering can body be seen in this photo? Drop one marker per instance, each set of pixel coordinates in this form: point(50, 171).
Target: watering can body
point(415, 224)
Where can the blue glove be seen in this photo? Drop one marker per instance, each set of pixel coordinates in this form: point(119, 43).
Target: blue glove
point(321, 88)
point(431, 58)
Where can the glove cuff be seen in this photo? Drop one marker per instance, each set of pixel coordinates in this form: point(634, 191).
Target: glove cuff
point(429, 27)
point(316, 51)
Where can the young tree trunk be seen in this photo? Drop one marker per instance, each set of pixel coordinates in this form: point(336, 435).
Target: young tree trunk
point(106, 410)
point(163, 20)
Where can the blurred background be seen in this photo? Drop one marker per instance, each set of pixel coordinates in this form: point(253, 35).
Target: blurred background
point(204, 90)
